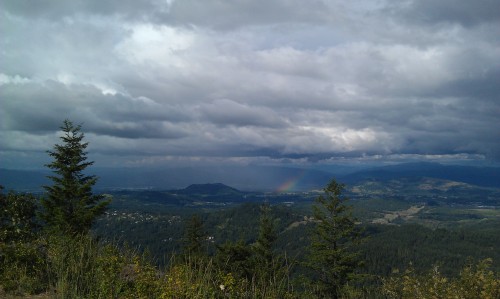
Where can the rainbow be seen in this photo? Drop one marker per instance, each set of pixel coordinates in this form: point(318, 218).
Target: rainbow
point(291, 183)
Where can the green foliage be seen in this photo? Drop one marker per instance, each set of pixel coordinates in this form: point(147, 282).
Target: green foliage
point(235, 258)
point(255, 270)
point(476, 281)
point(264, 245)
point(390, 247)
point(22, 267)
point(191, 279)
point(332, 257)
point(70, 205)
point(80, 267)
point(20, 262)
point(72, 266)
point(266, 261)
point(195, 236)
point(17, 217)
point(77, 266)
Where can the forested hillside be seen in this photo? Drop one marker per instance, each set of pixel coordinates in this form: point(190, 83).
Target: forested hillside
point(397, 237)
point(409, 239)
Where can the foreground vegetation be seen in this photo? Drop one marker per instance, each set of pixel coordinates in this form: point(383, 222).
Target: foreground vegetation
point(81, 267)
point(265, 265)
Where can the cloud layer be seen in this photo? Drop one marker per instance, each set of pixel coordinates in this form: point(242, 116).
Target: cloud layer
point(251, 80)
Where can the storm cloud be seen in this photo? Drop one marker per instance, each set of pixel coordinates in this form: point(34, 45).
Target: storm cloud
point(251, 80)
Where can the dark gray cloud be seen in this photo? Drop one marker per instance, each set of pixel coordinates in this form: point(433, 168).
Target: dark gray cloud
point(465, 13)
point(251, 80)
point(226, 112)
point(230, 14)
point(214, 14)
point(48, 9)
point(39, 107)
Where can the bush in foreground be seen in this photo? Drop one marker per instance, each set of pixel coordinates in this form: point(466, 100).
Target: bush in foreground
point(475, 281)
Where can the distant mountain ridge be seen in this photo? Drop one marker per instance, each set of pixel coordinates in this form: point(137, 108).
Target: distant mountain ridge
point(252, 178)
point(248, 178)
point(245, 178)
point(479, 176)
point(210, 189)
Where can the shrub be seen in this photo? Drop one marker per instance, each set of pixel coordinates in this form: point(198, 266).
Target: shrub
point(476, 281)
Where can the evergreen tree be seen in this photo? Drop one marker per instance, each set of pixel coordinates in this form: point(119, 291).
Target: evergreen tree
point(194, 236)
point(70, 205)
point(263, 247)
point(236, 258)
point(332, 257)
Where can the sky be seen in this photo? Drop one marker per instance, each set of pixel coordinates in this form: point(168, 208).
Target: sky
point(180, 82)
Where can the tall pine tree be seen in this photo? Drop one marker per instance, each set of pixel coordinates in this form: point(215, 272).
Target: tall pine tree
point(194, 237)
point(70, 205)
point(264, 244)
point(332, 256)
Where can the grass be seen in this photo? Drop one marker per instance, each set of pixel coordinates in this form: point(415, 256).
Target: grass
point(81, 267)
